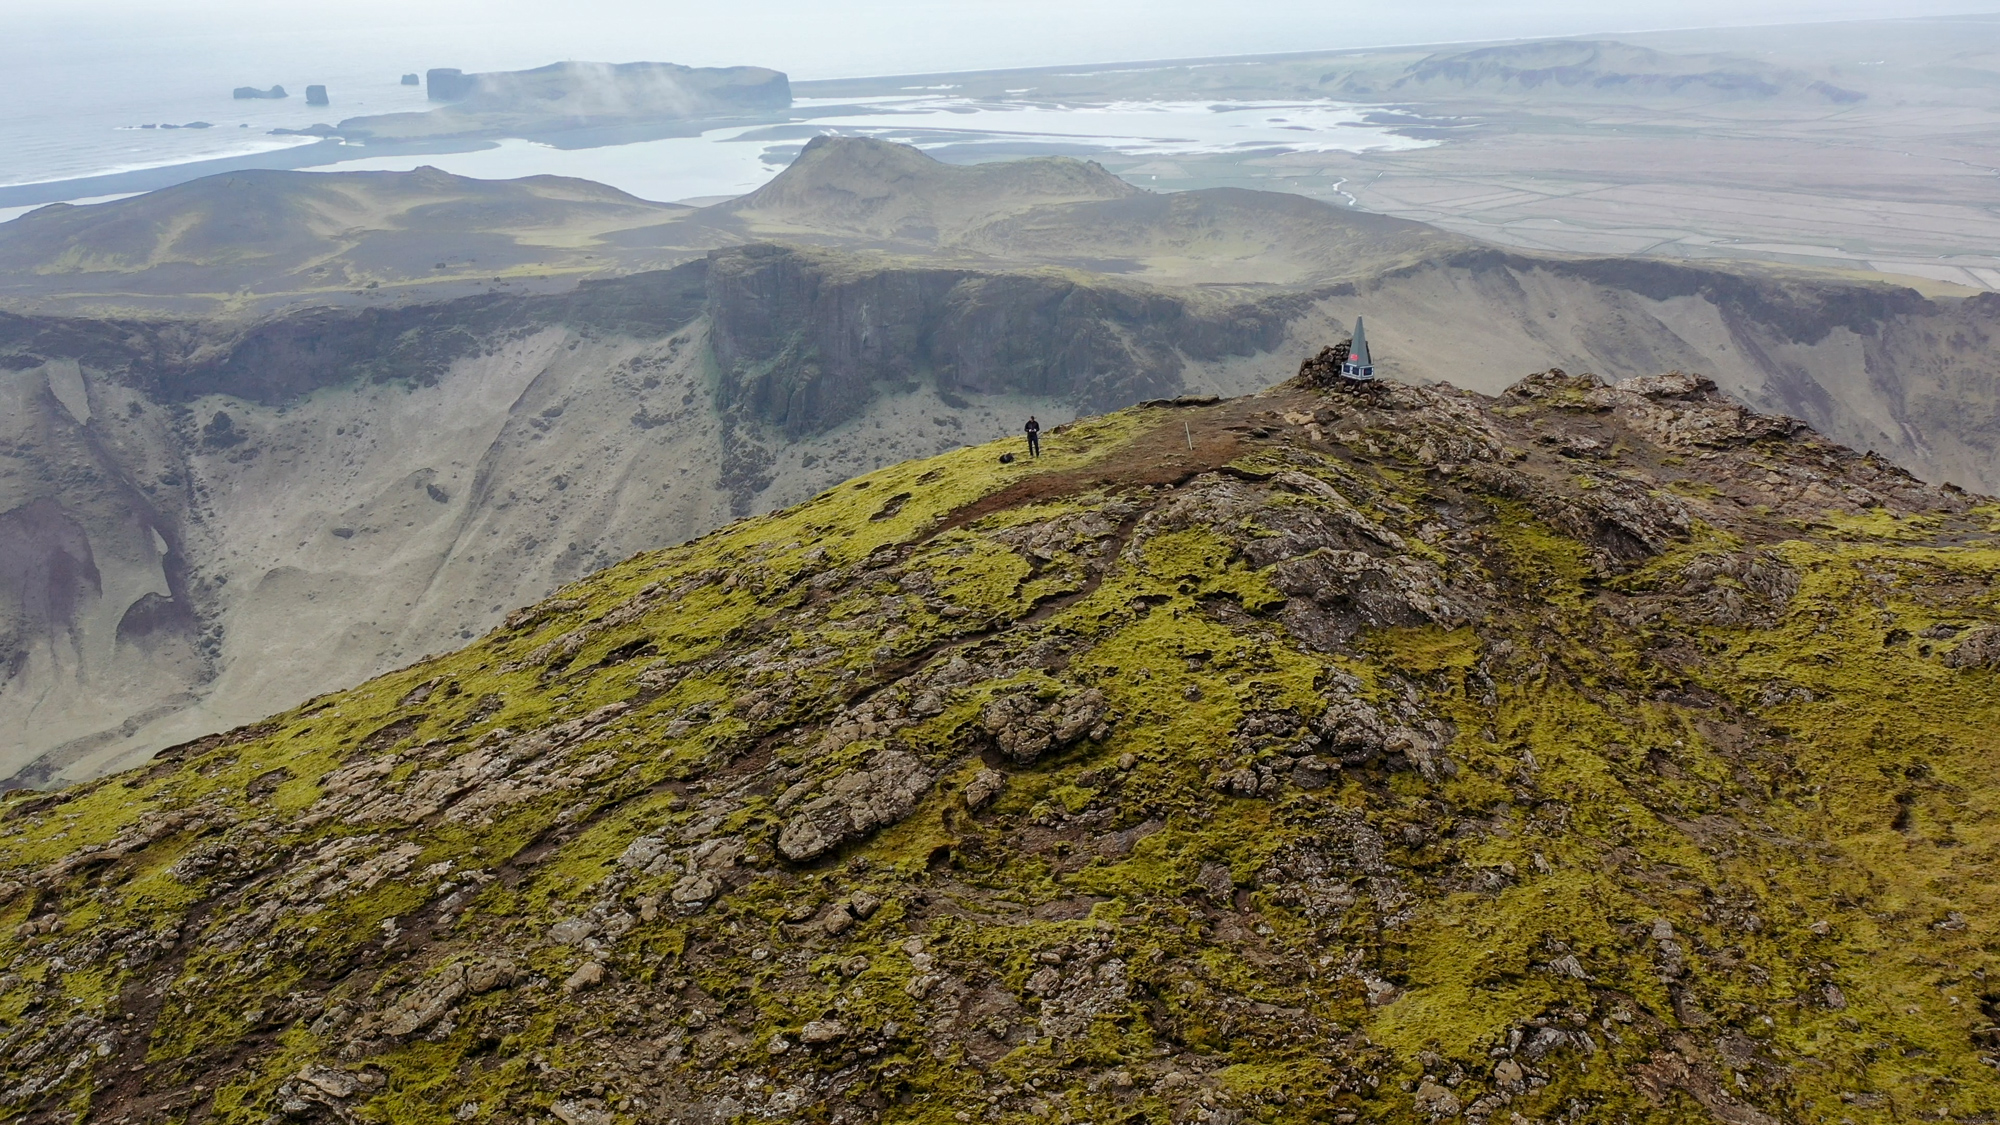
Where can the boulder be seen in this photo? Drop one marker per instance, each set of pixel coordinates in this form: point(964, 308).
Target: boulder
point(694, 891)
point(426, 1003)
point(589, 975)
point(642, 851)
point(1313, 772)
point(838, 920)
point(984, 786)
point(329, 1081)
point(1025, 729)
point(581, 1111)
point(821, 1032)
point(1436, 1100)
point(1980, 649)
point(489, 975)
point(856, 804)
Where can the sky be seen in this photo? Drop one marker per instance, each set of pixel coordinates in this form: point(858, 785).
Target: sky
point(845, 38)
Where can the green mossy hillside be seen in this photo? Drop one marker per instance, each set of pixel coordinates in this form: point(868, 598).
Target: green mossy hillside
point(1589, 754)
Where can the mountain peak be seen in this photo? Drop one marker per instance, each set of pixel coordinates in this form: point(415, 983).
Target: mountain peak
point(873, 187)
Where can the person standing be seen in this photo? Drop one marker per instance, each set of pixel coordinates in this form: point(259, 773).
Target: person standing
point(1034, 431)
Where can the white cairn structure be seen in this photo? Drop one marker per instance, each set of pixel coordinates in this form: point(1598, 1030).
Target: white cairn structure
point(1359, 365)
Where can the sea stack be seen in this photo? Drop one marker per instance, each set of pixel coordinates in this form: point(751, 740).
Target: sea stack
point(411, 80)
point(253, 92)
point(316, 95)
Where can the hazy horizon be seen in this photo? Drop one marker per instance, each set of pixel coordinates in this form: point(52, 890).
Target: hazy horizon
point(869, 38)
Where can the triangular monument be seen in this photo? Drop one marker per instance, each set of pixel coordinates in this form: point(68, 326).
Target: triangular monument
point(1359, 365)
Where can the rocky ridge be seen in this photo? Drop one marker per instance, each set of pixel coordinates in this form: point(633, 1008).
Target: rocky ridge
point(1592, 752)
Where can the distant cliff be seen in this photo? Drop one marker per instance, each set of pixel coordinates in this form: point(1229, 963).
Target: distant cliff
point(803, 339)
point(567, 96)
point(1596, 68)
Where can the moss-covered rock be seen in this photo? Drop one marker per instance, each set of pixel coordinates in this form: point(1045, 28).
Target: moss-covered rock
point(1590, 754)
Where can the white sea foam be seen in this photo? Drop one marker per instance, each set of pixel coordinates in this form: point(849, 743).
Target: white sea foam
point(213, 151)
point(9, 214)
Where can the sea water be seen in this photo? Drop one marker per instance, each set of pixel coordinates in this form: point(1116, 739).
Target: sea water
point(78, 107)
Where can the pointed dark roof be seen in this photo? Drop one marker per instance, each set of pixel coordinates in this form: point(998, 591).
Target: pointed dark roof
point(1357, 354)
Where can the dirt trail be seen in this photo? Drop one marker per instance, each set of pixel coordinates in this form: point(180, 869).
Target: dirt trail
point(1162, 455)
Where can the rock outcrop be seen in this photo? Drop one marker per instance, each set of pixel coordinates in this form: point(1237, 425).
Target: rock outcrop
point(1980, 649)
point(1594, 751)
point(448, 84)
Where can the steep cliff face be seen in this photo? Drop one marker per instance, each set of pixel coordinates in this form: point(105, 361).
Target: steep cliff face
point(202, 522)
point(1589, 753)
point(805, 339)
